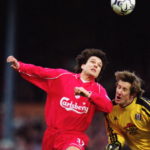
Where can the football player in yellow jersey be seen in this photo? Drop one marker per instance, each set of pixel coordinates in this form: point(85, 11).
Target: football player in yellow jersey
point(129, 122)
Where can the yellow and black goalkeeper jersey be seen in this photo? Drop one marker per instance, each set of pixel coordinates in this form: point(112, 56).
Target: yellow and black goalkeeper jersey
point(130, 125)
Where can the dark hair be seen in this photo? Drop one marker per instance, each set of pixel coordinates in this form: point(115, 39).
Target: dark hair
point(86, 54)
point(133, 79)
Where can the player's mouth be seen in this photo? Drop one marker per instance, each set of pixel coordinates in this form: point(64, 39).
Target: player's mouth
point(93, 70)
point(118, 98)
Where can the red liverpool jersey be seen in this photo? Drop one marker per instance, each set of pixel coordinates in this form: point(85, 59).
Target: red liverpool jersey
point(64, 110)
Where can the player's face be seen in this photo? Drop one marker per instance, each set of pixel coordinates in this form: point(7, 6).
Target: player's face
point(92, 67)
point(123, 97)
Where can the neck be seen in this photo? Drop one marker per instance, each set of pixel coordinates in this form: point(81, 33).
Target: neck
point(128, 103)
point(86, 77)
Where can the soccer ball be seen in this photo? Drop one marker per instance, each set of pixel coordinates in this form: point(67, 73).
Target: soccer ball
point(123, 7)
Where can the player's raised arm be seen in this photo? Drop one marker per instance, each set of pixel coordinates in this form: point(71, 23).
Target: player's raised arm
point(14, 62)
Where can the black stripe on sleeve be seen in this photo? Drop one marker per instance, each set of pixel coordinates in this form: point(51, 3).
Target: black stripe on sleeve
point(144, 102)
point(148, 114)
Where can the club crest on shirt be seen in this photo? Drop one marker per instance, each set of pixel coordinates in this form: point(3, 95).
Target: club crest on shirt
point(138, 117)
point(70, 105)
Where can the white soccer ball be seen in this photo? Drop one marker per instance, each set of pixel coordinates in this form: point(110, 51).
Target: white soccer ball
point(123, 7)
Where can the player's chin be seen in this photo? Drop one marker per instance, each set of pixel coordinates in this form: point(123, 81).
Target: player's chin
point(117, 101)
point(94, 75)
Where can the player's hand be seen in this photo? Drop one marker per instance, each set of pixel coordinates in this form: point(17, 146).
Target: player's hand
point(14, 62)
point(113, 146)
point(81, 91)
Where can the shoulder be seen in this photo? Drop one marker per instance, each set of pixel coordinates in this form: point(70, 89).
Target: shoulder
point(99, 87)
point(60, 70)
point(64, 72)
point(145, 102)
point(58, 73)
point(145, 105)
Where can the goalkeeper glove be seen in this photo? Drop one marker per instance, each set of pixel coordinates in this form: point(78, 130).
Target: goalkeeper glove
point(114, 146)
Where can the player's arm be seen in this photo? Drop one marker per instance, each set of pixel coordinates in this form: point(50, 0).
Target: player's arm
point(29, 72)
point(101, 100)
point(145, 112)
point(29, 69)
point(82, 91)
point(33, 70)
point(37, 75)
point(115, 138)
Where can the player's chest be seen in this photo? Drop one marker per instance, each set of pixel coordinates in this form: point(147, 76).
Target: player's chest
point(128, 122)
point(67, 86)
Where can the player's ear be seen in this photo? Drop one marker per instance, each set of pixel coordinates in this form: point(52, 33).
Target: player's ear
point(132, 96)
point(82, 66)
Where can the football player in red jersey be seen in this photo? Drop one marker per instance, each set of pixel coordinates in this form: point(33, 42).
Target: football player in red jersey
point(72, 98)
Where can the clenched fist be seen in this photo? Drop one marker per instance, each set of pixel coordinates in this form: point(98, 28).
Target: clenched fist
point(14, 62)
point(81, 91)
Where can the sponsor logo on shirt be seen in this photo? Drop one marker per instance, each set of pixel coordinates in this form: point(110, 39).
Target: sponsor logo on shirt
point(69, 105)
point(131, 129)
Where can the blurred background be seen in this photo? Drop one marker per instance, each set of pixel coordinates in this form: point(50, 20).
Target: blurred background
point(51, 34)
